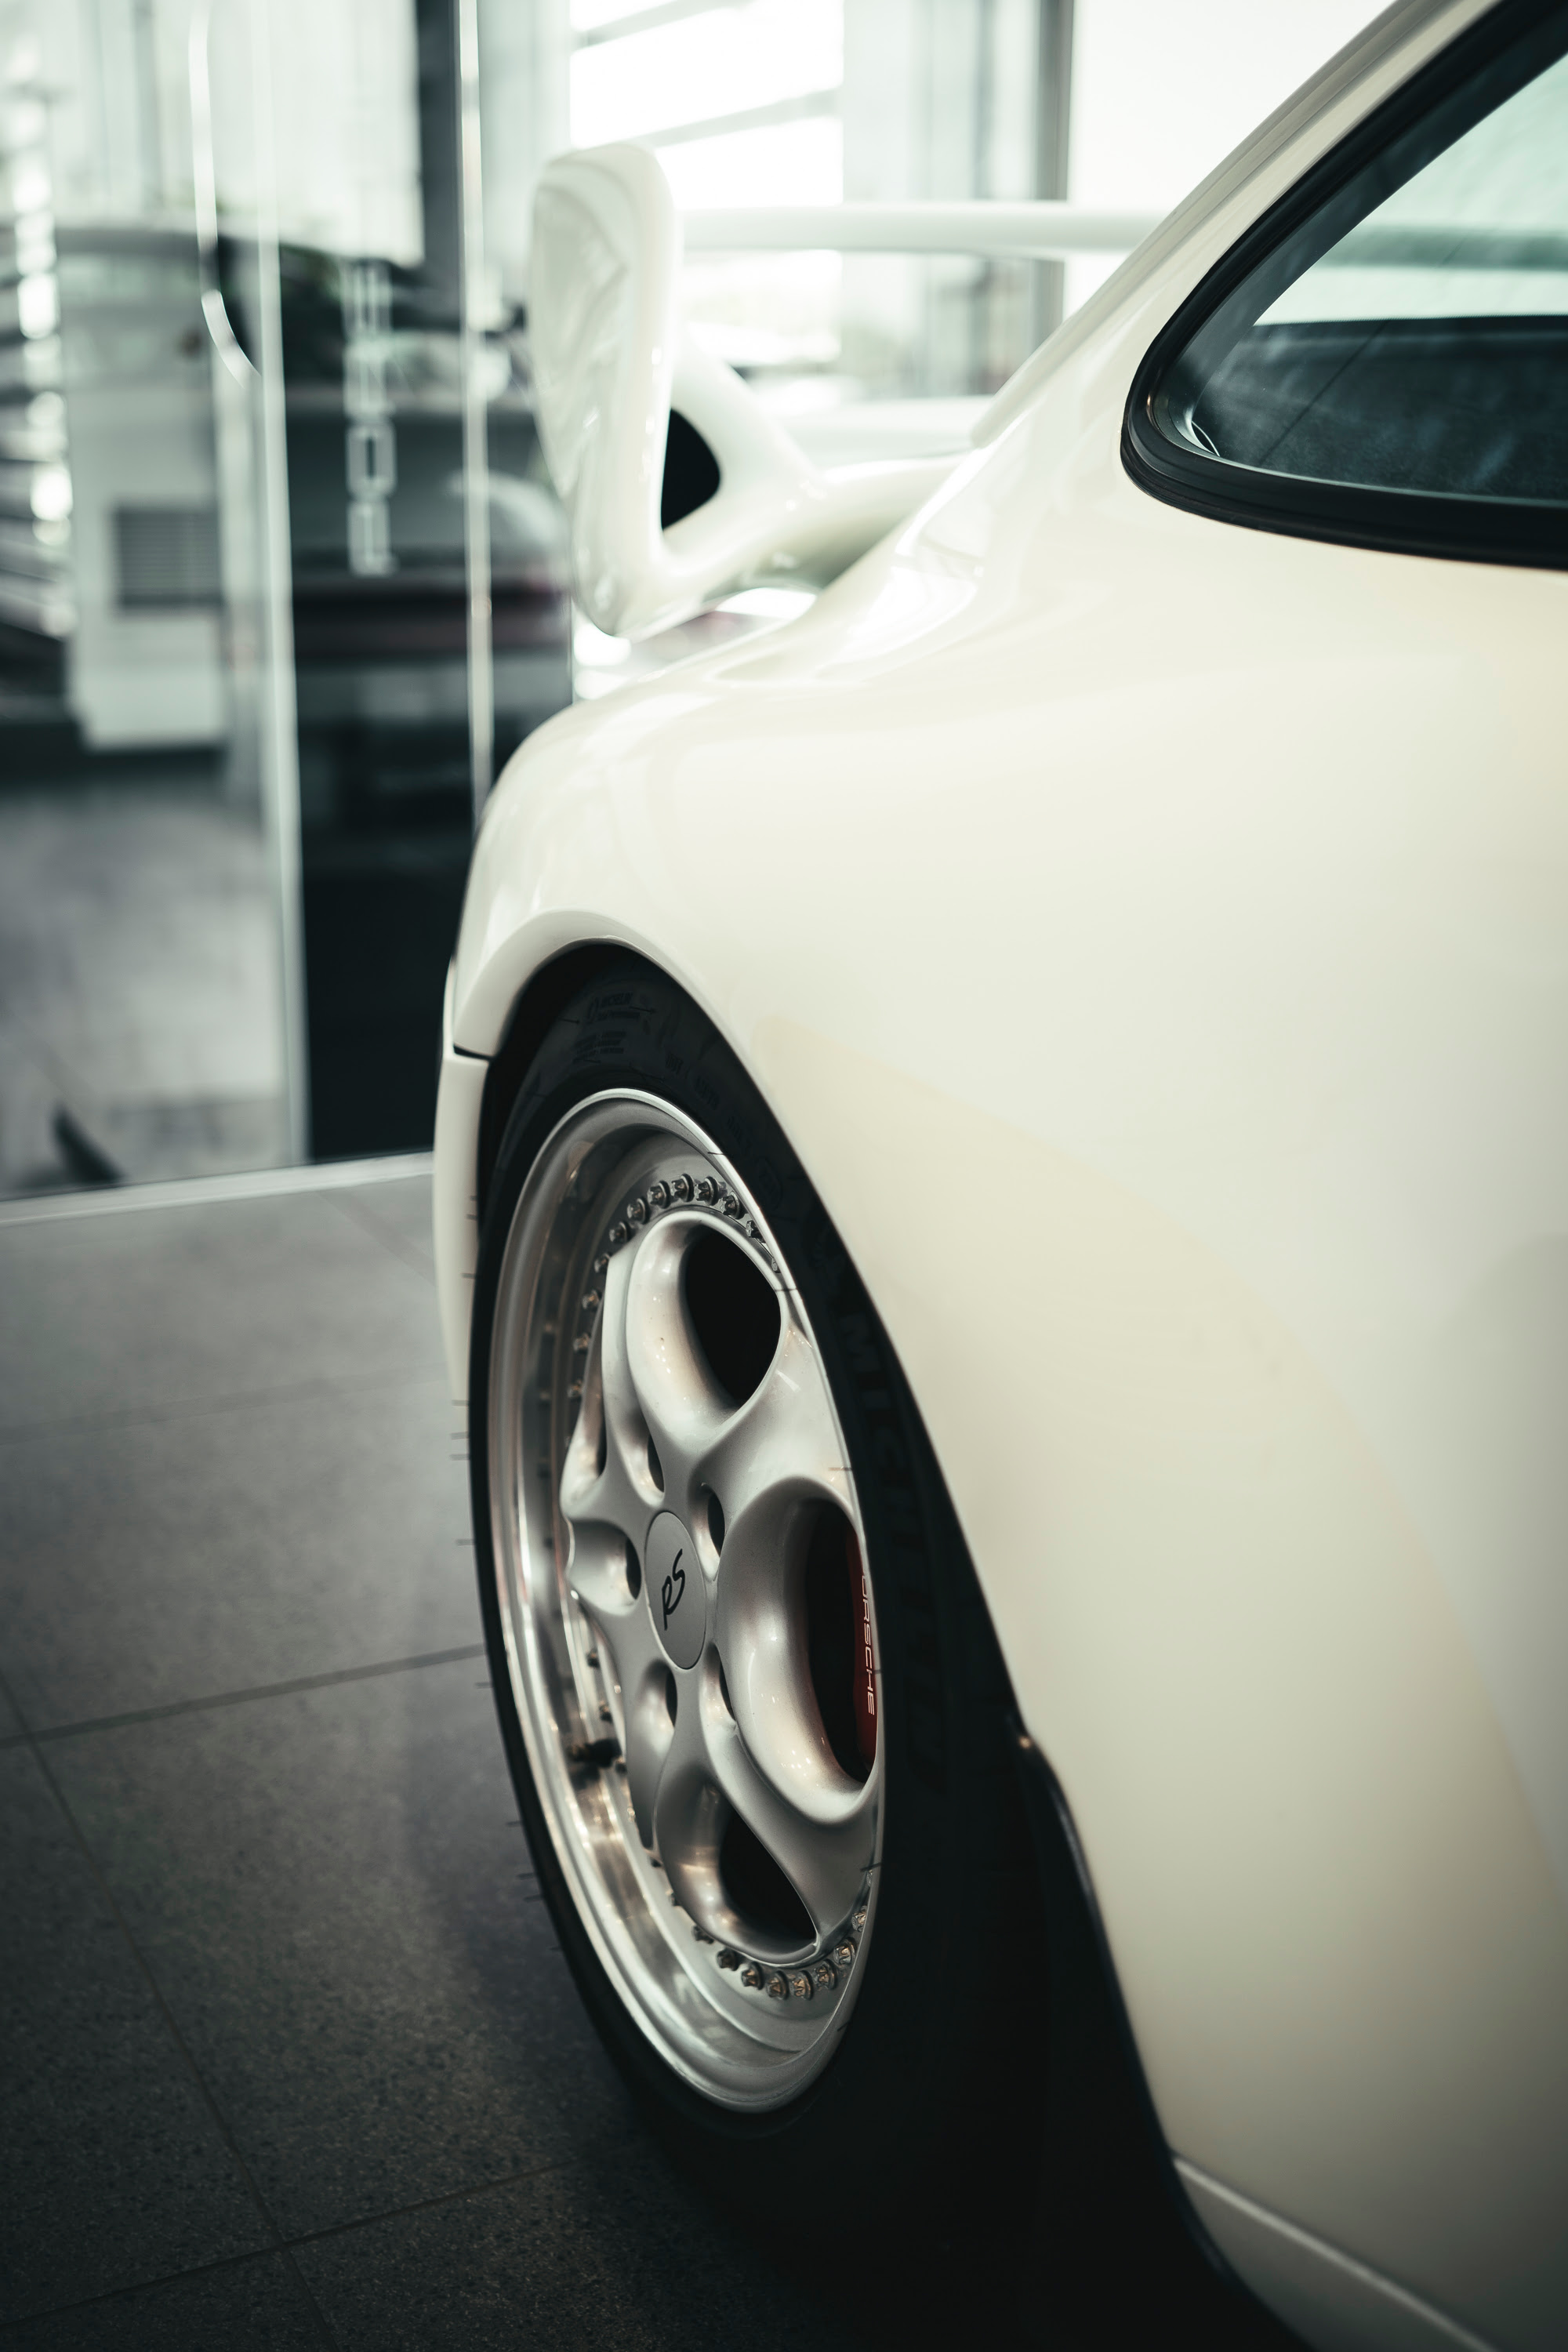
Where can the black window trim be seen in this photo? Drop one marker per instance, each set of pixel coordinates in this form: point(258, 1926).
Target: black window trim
point(1406, 522)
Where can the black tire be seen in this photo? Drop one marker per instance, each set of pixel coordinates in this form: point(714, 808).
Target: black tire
point(938, 2078)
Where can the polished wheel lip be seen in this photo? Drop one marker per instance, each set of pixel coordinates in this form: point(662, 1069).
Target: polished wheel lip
point(705, 2011)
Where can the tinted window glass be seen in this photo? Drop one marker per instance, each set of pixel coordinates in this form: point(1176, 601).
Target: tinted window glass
point(1412, 334)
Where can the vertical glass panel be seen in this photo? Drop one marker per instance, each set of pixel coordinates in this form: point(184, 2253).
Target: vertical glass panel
point(142, 1029)
point(366, 122)
point(243, 531)
point(522, 104)
point(369, 272)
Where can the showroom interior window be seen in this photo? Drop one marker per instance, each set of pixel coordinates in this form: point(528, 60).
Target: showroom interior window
point(281, 573)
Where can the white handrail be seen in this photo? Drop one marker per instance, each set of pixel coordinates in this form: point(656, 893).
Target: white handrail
point(1033, 232)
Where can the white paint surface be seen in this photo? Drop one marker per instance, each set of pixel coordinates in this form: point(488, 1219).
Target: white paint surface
point(1153, 935)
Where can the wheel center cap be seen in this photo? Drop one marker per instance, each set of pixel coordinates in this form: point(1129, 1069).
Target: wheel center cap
point(677, 1597)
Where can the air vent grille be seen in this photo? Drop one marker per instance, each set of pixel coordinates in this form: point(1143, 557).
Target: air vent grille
point(167, 557)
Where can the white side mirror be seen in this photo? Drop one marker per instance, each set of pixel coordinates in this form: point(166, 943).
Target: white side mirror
point(611, 359)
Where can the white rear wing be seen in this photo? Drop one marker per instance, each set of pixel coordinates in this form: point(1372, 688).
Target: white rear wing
point(611, 358)
point(1035, 232)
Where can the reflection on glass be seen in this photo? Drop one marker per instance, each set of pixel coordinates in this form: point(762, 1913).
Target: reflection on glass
point(139, 1001)
point(370, 272)
point(1412, 335)
point(372, 359)
point(238, 783)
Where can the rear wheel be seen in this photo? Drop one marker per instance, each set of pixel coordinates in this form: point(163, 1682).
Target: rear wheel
point(751, 1700)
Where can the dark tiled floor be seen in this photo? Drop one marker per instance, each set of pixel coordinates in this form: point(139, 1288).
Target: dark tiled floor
point(258, 2305)
point(113, 2164)
point(322, 1526)
point(291, 2056)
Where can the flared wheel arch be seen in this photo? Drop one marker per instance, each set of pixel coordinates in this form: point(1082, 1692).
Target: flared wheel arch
point(1106, 2176)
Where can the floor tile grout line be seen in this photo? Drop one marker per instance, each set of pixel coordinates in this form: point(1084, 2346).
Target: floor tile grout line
point(145, 2286)
point(220, 2122)
point(359, 1213)
point(27, 1736)
point(234, 1400)
point(293, 2245)
point(432, 2204)
point(313, 2302)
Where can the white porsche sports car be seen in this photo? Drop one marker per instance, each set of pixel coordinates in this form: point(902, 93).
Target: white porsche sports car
point(1002, 1210)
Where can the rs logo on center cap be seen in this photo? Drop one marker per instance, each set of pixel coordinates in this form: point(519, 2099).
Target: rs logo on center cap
point(676, 1599)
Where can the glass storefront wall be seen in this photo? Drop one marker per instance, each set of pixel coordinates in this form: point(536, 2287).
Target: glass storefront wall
point(281, 576)
point(239, 561)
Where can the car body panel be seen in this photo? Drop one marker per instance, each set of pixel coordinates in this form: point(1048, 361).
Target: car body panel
point(1152, 935)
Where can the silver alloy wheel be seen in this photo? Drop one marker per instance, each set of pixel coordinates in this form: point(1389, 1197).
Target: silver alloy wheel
point(681, 1568)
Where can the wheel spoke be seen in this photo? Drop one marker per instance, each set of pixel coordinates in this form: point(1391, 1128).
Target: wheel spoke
point(825, 1863)
point(649, 1733)
point(621, 1492)
point(783, 1441)
point(687, 1816)
point(596, 1573)
point(775, 1715)
point(706, 1774)
point(773, 1469)
point(675, 1394)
